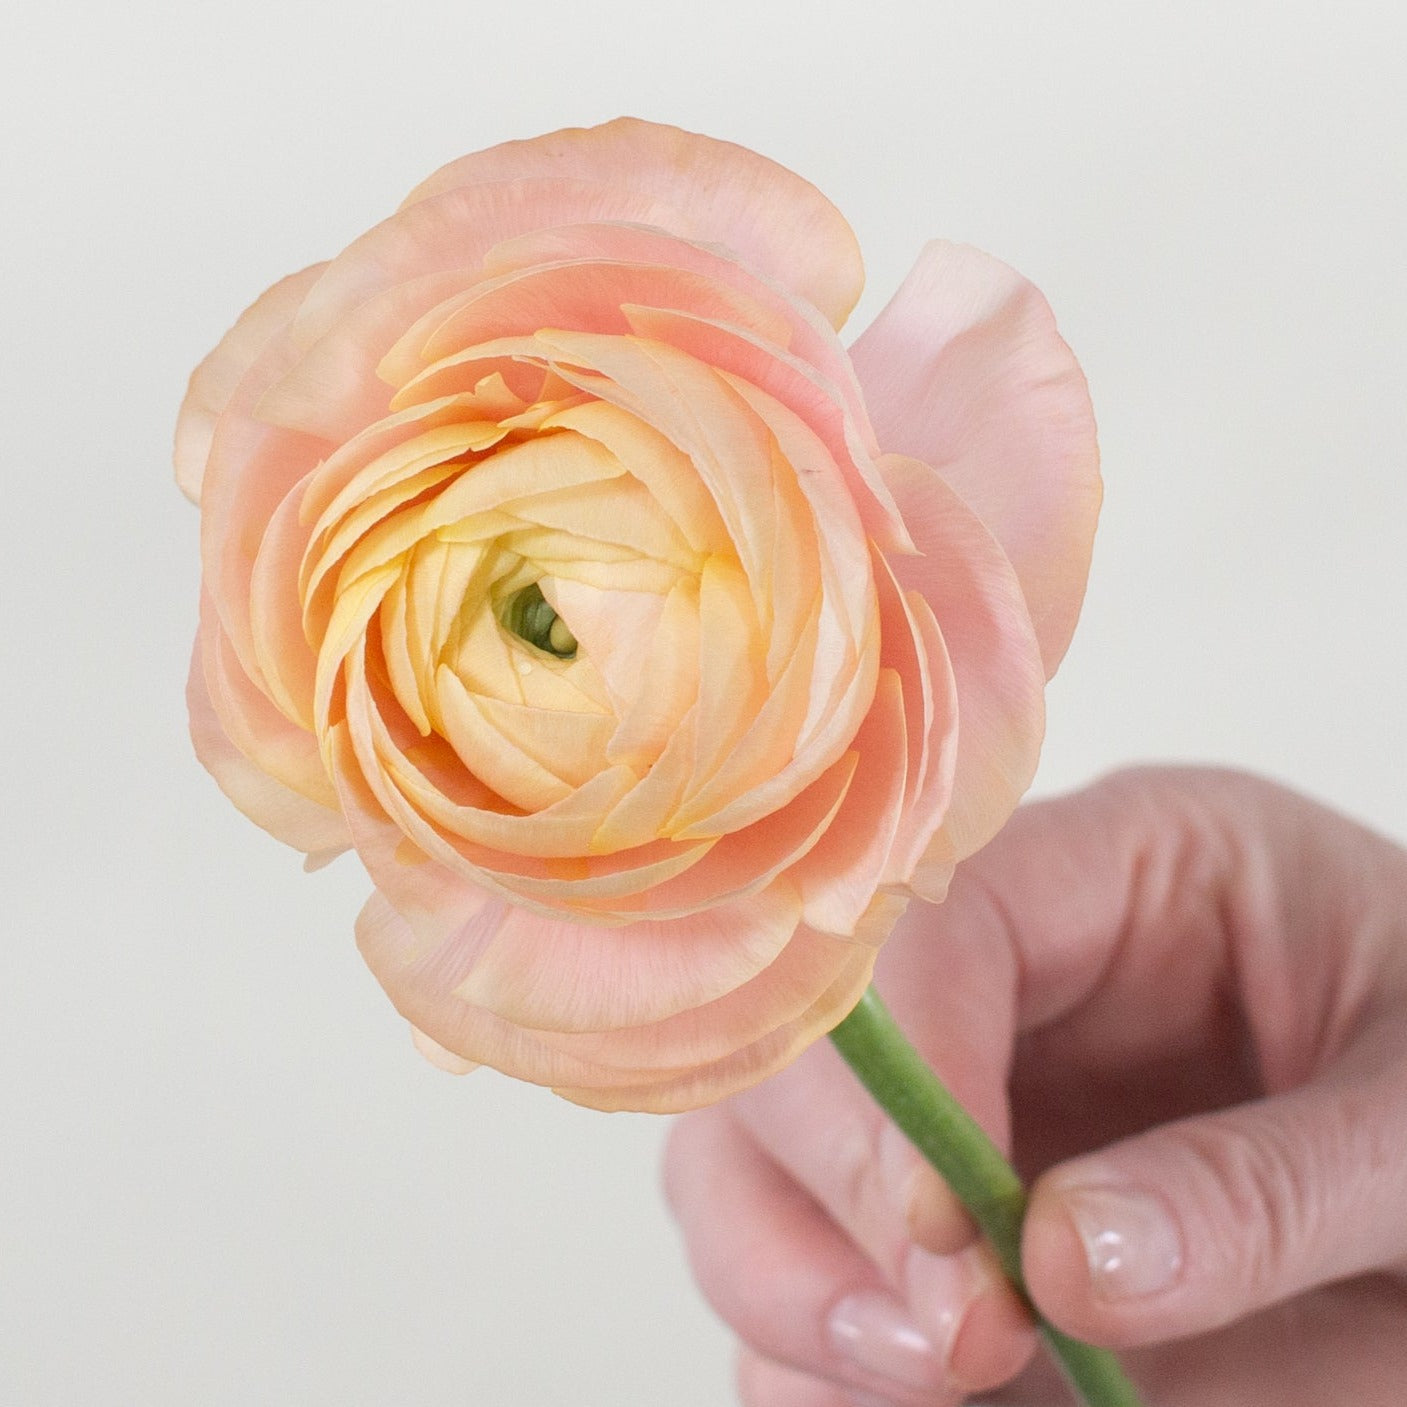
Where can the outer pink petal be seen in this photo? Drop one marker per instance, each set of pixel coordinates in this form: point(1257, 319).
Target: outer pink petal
point(695, 1058)
point(250, 468)
point(783, 992)
point(698, 1085)
point(332, 389)
point(287, 814)
point(561, 975)
point(996, 660)
point(723, 193)
point(213, 382)
point(965, 370)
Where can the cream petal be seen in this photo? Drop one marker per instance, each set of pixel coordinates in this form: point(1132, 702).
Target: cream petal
point(665, 471)
point(789, 380)
point(645, 809)
point(965, 370)
point(518, 776)
point(432, 897)
point(564, 830)
point(617, 512)
point(732, 685)
point(498, 665)
point(370, 502)
point(374, 459)
point(717, 192)
point(667, 682)
point(847, 676)
point(728, 448)
point(213, 382)
point(356, 604)
point(427, 781)
point(746, 860)
point(762, 770)
point(616, 630)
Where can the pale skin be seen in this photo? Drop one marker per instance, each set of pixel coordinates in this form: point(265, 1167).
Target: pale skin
point(1185, 992)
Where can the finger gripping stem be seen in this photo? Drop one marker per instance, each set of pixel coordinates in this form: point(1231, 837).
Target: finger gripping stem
point(923, 1107)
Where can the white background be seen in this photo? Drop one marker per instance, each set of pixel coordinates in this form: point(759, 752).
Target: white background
point(225, 1176)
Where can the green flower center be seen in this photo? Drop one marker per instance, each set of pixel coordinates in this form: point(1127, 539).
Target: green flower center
point(528, 615)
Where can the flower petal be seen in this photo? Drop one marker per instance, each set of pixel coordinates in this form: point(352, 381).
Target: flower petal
point(697, 1085)
point(213, 382)
point(715, 191)
point(996, 660)
point(839, 876)
point(274, 790)
point(965, 370)
point(565, 975)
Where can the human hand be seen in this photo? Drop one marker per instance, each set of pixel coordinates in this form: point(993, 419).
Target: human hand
point(1182, 996)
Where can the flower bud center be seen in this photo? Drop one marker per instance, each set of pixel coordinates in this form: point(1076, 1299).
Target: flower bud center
point(528, 615)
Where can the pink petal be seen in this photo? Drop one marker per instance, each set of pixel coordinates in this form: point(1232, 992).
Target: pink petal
point(781, 994)
point(975, 596)
point(419, 976)
point(965, 370)
point(716, 192)
point(213, 382)
point(332, 389)
point(913, 646)
point(278, 782)
point(453, 230)
point(698, 1085)
point(563, 975)
point(584, 294)
point(695, 1058)
point(839, 877)
point(250, 470)
point(438, 1056)
point(286, 660)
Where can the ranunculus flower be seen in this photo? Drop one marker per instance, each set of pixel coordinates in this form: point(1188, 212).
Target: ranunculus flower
point(648, 647)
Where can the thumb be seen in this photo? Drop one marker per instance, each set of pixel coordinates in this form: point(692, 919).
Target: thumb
point(1201, 1222)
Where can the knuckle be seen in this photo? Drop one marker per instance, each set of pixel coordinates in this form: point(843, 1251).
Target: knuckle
point(1262, 1206)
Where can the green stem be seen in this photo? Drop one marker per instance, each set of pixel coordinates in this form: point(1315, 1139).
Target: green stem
point(986, 1184)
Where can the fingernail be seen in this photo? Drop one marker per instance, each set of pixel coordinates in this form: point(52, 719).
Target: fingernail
point(1131, 1241)
point(876, 1333)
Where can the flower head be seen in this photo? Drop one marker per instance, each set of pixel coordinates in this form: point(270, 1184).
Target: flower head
point(649, 648)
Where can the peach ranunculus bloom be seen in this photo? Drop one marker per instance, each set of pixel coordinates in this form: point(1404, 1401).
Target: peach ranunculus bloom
point(649, 648)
